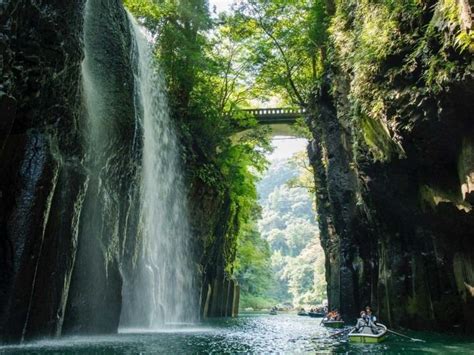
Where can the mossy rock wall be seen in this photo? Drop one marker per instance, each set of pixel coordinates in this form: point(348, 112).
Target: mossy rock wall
point(392, 153)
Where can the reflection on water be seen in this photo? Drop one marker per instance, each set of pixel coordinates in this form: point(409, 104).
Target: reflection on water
point(250, 333)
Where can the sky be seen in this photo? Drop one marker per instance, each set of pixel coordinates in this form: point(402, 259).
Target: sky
point(221, 5)
point(285, 148)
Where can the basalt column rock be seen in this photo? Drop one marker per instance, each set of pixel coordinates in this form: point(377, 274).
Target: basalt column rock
point(42, 179)
point(330, 156)
point(108, 233)
point(393, 160)
point(406, 247)
point(422, 203)
point(70, 153)
point(215, 245)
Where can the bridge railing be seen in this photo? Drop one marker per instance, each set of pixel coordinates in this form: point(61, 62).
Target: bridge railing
point(272, 112)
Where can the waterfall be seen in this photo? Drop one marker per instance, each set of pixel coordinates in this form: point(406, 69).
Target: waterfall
point(135, 238)
point(166, 290)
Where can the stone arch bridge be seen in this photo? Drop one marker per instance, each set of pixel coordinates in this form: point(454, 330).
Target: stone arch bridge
point(285, 115)
point(278, 119)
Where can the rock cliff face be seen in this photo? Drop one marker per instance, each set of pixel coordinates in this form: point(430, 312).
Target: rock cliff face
point(108, 233)
point(69, 187)
point(43, 181)
point(69, 216)
point(392, 153)
point(214, 222)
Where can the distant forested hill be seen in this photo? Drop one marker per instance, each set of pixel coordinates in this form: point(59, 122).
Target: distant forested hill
point(289, 226)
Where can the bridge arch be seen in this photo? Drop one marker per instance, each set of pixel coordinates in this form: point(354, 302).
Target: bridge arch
point(275, 115)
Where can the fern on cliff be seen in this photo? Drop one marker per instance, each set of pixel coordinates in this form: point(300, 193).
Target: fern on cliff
point(396, 54)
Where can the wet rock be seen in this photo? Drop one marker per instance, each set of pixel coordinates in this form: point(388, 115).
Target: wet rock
point(61, 248)
point(396, 231)
point(40, 107)
point(69, 193)
point(213, 220)
point(108, 224)
point(7, 111)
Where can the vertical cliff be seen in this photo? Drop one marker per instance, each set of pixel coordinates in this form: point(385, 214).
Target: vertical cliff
point(69, 184)
point(392, 153)
point(108, 234)
point(72, 239)
point(215, 223)
point(43, 180)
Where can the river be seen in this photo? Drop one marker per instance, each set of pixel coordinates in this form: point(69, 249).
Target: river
point(249, 333)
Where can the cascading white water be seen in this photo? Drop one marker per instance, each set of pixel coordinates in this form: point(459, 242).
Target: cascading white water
point(166, 290)
point(158, 279)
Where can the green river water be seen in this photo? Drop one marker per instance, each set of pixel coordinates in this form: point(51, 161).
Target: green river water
point(250, 333)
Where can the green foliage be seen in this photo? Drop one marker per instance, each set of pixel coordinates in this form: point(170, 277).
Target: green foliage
point(305, 177)
point(286, 39)
point(205, 68)
point(288, 225)
point(451, 14)
point(248, 300)
point(145, 9)
point(377, 137)
point(396, 54)
point(300, 128)
point(282, 261)
point(305, 275)
point(252, 266)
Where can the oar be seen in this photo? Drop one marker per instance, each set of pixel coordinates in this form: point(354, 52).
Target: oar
point(404, 336)
point(345, 330)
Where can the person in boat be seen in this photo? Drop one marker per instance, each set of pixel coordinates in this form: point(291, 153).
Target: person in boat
point(337, 315)
point(367, 319)
point(361, 322)
point(371, 317)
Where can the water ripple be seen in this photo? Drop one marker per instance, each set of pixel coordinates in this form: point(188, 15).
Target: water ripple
point(249, 334)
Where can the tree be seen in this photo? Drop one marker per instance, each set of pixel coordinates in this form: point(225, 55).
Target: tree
point(288, 225)
point(305, 178)
point(252, 267)
point(288, 42)
point(204, 69)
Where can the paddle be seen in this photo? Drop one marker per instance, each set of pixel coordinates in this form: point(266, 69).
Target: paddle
point(404, 336)
point(345, 330)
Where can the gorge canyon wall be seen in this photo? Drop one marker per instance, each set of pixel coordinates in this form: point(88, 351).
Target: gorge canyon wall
point(392, 154)
point(70, 232)
point(43, 179)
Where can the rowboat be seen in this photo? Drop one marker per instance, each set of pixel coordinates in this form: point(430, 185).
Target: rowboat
point(273, 312)
point(365, 335)
point(333, 323)
point(301, 313)
point(316, 314)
